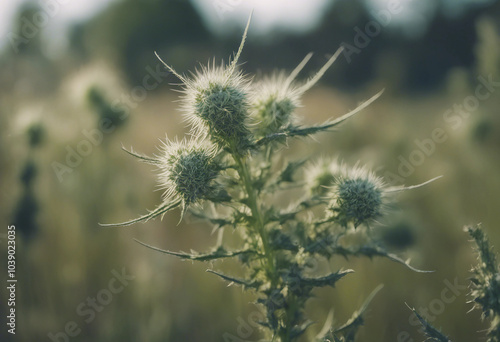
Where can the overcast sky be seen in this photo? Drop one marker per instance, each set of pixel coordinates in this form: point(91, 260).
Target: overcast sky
point(268, 14)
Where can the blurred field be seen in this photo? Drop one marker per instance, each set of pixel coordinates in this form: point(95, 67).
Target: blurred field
point(64, 257)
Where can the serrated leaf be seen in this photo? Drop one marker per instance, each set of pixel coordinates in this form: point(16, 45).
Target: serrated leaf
point(219, 222)
point(160, 210)
point(217, 254)
point(328, 280)
point(142, 157)
point(300, 131)
point(286, 175)
point(368, 251)
point(231, 280)
point(220, 196)
point(432, 333)
point(350, 328)
point(298, 330)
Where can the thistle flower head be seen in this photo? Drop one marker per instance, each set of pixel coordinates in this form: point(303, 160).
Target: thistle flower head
point(321, 174)
point(274, 102)
point(187, 171)
point(216, 105)
point(275, 99)
point(357, 197)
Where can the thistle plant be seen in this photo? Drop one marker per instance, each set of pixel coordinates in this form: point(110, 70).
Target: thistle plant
point(485, 289)
point(431, 333)
point(485, 285)
point(230, 160)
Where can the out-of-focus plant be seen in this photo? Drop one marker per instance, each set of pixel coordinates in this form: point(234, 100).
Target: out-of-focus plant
point(485, 289)
point(485, 285)
point(104, 109)
point(25, 214)
point(431, 333)
point(231, 161)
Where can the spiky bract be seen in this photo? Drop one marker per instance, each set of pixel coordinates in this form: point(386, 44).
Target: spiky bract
point(188, 171)
point(274, 102)
point(216, 105)
point(321, 175)
point(275, 99)
point(357, 196)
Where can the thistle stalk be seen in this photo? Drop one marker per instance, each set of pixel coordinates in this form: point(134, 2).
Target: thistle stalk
point(235, 123)
point(258, 222)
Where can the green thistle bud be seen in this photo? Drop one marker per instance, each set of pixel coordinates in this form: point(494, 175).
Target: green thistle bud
point(357, 197)
point(320, 175)
point(274, 102)
point(188, 171)
point(216, 105)
point(275, 99)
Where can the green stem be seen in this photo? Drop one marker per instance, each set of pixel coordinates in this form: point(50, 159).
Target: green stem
point(289, 317)
point(259, 224)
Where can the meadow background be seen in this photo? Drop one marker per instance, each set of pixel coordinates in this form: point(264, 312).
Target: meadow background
point(81, 83)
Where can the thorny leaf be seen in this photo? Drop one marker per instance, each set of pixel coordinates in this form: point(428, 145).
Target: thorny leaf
point(350, 328)
point(219, 253)
point(368, 251)
point(294, 131)
point(160, 210)
point(142, 157)
point(298, 330)
point(245, 283)
point(218, 222)
point(432, 333)
point(328, 280)
point(289, 171)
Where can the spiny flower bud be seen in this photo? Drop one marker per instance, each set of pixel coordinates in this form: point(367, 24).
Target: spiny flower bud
point(216, 105)
point(188, 171)
point(320, 175)
point(357, 197)
point(275, 99)
point(274, 103)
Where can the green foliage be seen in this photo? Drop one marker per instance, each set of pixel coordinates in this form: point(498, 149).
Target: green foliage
point(486, 282)
point(232, 163)
point(36, 135)
point(485, 289)
point(432, 334)
point(104, 109)
point(347, 332)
